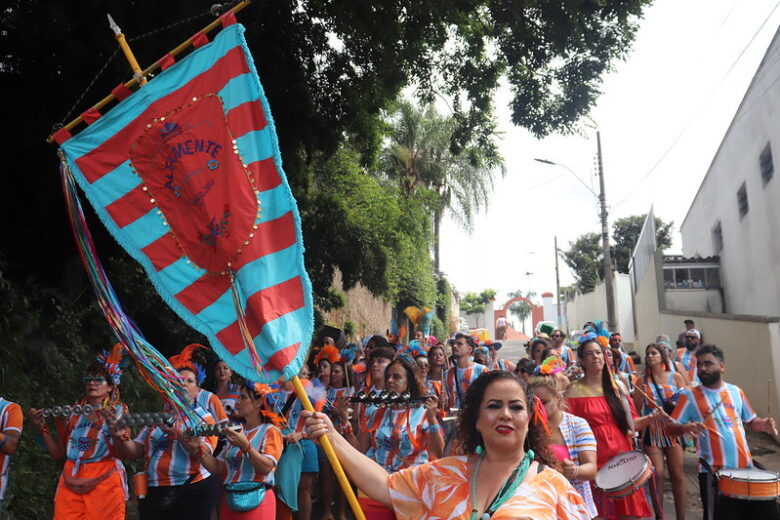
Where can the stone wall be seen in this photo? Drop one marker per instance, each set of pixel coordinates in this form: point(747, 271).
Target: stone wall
point(369, 314)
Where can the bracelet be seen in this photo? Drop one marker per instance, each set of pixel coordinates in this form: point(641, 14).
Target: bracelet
point(434, 428)
point(345, 429)
point(576, 472)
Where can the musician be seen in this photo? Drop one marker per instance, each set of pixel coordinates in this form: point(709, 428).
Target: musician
point(504, 445)
point(662, 387)
point(93, 483)
point(567, 354)
point(715, 411)
point(338, 411)
point(603, 402)
point(572, 440)
point(223, 386)
point(10, 431)
point(465, 371)
point(686, 355)
point(179, 486)
point(403, 436)
point(247, 465)
point(205, 399)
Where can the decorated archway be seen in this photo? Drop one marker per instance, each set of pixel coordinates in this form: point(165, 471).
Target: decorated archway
point(537, 311)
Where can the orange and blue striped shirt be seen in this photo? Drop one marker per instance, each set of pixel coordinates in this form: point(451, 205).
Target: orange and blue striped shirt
point(88, 441)
point(168, 462)
point(229, 398)
point(466, 376)
point(10, 420)
point(723, 410)
point(687, 358)
point(266, 439)
point(391, 444)
point(212, 404)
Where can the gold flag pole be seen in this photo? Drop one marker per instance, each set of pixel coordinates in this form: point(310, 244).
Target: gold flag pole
point(120, 38)
point(152, 68)
point(334, 461)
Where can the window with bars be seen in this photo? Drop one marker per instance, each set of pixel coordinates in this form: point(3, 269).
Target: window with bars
point(766, 164)
point(742, 200)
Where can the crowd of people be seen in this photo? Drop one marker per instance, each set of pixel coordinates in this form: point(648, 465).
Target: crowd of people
point(426, 429)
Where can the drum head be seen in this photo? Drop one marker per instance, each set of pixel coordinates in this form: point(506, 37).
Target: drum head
point(620, 470)
point(753, 475)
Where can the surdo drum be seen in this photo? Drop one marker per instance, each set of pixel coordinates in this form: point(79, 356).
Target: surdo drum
point(624, 474)
point(749, 484)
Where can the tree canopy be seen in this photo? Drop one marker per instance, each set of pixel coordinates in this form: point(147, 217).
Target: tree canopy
point(585, 255)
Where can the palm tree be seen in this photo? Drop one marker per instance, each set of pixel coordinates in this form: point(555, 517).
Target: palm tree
point(420, 155)
point(521, 309)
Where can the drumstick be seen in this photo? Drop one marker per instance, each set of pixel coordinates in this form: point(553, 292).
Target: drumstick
point(650, 402)
point(769, 403)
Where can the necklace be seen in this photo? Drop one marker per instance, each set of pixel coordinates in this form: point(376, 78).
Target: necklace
point(507, 490)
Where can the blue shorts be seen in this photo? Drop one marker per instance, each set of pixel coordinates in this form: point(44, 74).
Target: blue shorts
point(310, 463)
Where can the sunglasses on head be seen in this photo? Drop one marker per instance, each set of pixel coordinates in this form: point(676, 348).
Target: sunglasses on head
point(93, 379)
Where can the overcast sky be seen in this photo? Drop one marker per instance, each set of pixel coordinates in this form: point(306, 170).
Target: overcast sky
point(674, 90)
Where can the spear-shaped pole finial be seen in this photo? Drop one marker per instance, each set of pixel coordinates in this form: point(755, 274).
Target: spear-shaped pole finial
point(120, 38)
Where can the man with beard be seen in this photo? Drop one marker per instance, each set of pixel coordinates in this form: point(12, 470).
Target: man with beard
point(715, 411)
point(459, 377)
point(686, 356)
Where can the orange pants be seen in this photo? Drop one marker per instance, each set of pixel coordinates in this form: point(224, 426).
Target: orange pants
point(106, 500)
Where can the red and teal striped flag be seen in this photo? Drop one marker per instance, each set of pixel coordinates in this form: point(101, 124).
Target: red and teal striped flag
point(186, 174)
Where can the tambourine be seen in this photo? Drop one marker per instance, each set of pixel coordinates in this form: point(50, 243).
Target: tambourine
point(68, 410)
point(385, 398)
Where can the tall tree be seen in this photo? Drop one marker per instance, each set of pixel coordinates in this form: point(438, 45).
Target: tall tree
point(419, 155)
point(625, 234)
point(584, 256)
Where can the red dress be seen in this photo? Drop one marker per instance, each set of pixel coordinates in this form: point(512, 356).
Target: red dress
point(610, 441)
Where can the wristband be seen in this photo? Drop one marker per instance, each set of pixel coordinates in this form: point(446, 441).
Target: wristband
point(576, 472)
point(434, 428)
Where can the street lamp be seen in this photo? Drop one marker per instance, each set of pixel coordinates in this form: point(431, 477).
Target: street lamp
point(607, 253)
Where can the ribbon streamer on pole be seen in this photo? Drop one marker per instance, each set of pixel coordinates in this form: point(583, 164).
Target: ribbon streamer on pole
point(186, 174)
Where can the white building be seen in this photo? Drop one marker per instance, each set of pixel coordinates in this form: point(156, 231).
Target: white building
point(735, 215)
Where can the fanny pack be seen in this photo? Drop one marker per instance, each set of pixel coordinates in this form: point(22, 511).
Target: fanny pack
point(244, 496)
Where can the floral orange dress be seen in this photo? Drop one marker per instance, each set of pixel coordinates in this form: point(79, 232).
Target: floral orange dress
point(440, 489)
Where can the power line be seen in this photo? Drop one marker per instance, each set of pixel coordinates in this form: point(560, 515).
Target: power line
point(697, 113)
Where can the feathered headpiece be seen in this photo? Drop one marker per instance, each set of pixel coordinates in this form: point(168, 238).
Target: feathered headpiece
point(317, 393)
point(415, 349)
point(348, 354)
point(114, 361)
point(184, 360)
point(596, 331)
point(551, 365)
point(263, 391)
point(540, 414)
point(329, 353)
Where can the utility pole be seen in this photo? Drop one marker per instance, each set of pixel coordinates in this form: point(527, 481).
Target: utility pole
point(557, 284)
point(612, 323)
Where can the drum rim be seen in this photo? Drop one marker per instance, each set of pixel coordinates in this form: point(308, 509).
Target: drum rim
point(634, 479)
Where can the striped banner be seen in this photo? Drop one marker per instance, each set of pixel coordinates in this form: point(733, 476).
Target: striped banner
point(186, 174)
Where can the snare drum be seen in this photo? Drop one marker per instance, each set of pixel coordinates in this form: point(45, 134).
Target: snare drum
point(749, 484)
point(624, 474)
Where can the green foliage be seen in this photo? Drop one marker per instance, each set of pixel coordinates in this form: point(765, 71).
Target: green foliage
point(473, 303)
point(349, 329)
point(585, 255)
point(439, 329)
point(625, 234)
point(46, 340)
point(443, 302)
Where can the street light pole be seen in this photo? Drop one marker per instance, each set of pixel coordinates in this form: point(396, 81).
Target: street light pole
point(557, 284)
point(612, 323)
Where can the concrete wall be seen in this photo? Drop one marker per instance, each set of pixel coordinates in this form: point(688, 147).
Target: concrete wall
point(371, 315)
point(749, 268)
point(705, 300)
point(593, 306)
point(751, 343)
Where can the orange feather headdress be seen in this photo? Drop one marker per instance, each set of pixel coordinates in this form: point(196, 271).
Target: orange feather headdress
point(329, 353)
point(184, 360)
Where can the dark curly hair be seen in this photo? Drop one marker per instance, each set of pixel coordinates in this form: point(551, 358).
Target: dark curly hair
point(536, 439)
point(416, 387)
